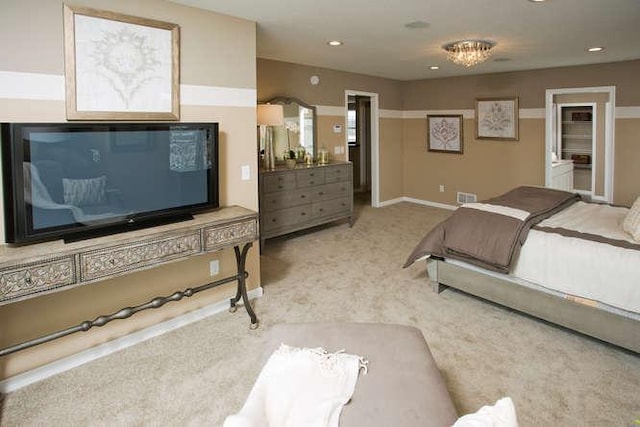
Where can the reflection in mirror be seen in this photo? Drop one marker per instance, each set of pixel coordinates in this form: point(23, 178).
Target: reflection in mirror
point(297, 137)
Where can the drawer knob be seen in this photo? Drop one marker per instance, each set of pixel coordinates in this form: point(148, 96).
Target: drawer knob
point(279, 187)
point(303, 213)
point(273, 220)
point(27, 280)
point(321, 193)
point(112, 261)
point(321, 209)
point(302, 196)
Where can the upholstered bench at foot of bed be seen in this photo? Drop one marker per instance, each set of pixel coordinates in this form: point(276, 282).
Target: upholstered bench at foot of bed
point(403, 386)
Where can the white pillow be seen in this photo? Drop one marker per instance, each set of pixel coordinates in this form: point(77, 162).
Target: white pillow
point(631, 222)
point(502, 414)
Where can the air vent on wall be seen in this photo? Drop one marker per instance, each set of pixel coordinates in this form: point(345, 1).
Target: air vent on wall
point(466, 198)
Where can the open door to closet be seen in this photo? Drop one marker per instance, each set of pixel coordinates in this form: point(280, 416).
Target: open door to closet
point(579, 141)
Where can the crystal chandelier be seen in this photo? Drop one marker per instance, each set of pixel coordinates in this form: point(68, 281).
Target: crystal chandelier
point(468, 52)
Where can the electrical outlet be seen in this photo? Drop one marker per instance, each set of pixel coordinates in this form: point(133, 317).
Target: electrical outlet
point(246, 172)
point(214, 267)
point(442, 188)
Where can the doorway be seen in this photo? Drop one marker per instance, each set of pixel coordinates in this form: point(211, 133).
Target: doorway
point(359, 144)
point(576, 142)
point(580, 131)
point(363, 144)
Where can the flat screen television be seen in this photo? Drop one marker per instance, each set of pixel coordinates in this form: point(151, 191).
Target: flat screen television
point(82, 180)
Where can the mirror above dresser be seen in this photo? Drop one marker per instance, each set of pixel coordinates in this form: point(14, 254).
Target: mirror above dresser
point(299, 131)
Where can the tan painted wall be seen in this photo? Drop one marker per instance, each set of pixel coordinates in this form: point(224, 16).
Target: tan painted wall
point(627, 171)
point(420, 172)
point(486, 168)
point(276, 78)
point(216, 50)
point(391, 159)
point(489, 167)
point(213, 48)
point(328, 139)
point(529, 86)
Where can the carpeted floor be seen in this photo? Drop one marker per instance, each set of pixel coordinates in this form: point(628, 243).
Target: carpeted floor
point(199, 374)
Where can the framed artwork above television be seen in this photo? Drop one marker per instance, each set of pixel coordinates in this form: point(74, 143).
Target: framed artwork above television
point(120, 67)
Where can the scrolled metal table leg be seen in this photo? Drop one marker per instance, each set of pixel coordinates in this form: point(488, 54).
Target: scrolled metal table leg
point(241, 258)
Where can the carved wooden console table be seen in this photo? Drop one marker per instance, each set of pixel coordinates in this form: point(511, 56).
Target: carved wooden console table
point(30, 271)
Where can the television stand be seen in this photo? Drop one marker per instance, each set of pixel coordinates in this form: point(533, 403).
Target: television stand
point(38, 269)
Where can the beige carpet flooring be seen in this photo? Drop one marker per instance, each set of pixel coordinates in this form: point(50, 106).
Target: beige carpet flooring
point(199, 374)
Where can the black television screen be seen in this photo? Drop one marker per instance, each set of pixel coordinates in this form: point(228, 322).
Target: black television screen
point(79, 180)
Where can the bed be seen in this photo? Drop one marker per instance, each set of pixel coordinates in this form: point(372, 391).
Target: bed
point(546, 253)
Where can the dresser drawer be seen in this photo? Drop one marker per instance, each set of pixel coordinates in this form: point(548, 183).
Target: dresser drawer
point(331, 207)
point(216, 237)
point(32, 278)
point(331, 191)
point(338, 173)
point(310, 177)
point(286, 199)
point(287, 217)
point(119, 259)
point(279, 182)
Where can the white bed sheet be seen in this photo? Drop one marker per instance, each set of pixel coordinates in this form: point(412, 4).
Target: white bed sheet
point(583, 268)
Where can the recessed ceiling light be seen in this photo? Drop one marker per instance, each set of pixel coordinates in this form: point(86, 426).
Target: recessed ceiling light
point(595, 49)
point(537, 1)
point(335, 43)
point(434, 67)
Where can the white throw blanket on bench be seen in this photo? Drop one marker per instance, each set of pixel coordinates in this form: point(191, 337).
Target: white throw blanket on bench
point(300, 387)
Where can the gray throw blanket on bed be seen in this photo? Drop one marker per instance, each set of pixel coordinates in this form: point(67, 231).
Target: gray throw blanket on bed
point(490, 233)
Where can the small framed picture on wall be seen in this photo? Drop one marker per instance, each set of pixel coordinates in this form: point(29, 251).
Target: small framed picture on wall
point(444, 133)
point(497, 118)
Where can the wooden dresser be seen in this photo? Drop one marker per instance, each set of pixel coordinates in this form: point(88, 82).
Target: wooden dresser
point(303, 197)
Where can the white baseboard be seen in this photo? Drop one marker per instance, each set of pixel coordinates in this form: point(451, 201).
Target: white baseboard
point(419, 202)
point(390, 202)
point(62, 365)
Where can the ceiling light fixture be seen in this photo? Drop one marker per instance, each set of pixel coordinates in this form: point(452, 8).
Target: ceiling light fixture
point(434, 67)
point(596, 49)
point(468, 52)
point(335, 43)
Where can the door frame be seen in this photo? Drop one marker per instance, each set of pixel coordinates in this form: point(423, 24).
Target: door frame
point(375, 140)
point(609, 134)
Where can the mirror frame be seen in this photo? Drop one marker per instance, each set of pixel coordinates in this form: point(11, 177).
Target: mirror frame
point(290, 100)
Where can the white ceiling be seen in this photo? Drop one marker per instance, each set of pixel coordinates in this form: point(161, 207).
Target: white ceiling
point(376, 42)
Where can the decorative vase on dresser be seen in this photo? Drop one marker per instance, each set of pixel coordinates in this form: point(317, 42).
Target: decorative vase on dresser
point(303, 197)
